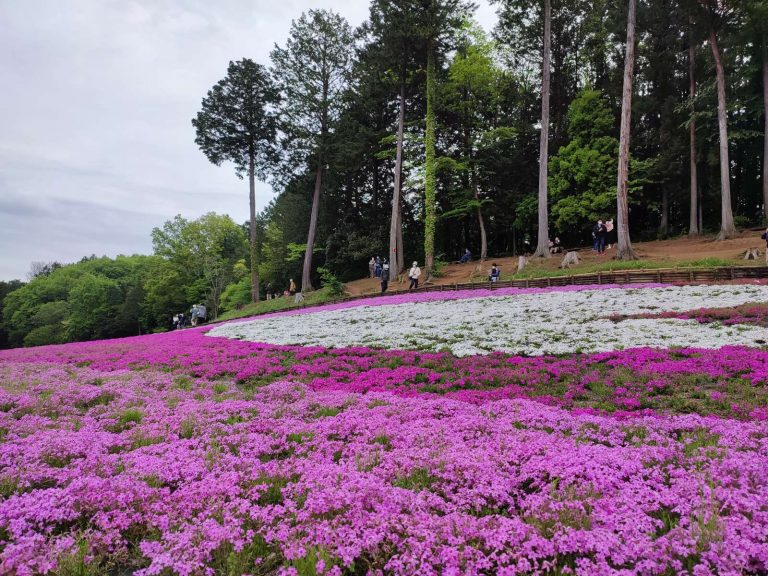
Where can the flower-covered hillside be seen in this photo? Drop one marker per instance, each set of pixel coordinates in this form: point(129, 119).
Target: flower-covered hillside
point(184, 453)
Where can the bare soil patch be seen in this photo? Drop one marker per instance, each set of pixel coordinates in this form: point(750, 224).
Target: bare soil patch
point(662, 253)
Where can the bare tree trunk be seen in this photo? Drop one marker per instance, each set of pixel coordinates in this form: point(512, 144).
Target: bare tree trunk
point(765, 133)
point(429, 168)
point(254, 252)
point(664, 223)
point(542, 246)
point(664, 138)
point(624, 251)
point(481, 223)
point(394, 256)
point(693, 223)
point(400, 249)
point(306, 274)
point(727, 229)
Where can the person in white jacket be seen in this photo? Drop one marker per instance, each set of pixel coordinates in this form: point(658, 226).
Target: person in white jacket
point(413, 275)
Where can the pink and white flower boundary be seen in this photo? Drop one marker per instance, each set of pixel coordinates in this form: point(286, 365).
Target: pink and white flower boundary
point(532, 322)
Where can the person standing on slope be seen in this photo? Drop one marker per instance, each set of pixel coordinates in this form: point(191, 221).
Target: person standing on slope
point(384, 276)
point(413, 275)
point(765, 237)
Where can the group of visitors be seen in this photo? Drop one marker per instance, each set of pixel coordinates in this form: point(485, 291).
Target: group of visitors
point(555, 246)
point(273, 292)
point(375, 266)
point(380, 269)
point(603, 233)
point(197, 314)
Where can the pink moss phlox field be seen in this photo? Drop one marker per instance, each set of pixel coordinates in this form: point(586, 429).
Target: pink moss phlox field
point(755, 314)
point(164, 474)
point(727, 382)
point(180, 453)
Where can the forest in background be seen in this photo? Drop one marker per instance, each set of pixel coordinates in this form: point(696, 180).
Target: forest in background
point(323, 119)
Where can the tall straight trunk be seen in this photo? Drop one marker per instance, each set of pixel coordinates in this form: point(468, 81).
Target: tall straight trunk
point(471, 183)
point(664, 223)
point(394, 256)
point(624, 249)
point(693, 223)
point(727, 229)
point(400, 246)
point(252, 229)
point(375, 175)
point(481, 223)
point(306, 274)
point(542, 246)
point(400, 250)
point(765, 133)
point(664, 138)
point(430, 183)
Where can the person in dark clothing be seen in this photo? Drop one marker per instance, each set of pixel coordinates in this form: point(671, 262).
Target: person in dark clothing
point(377, 267)
point(384, 276)
point(765, 237)
point(466, 257)
point(610, 233)
point(495, 273)
point(600, 232)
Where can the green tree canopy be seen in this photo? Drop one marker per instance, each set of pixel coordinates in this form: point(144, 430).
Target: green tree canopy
point(583, 172)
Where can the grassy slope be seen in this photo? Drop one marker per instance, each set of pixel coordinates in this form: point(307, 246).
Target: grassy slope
point(276, 305)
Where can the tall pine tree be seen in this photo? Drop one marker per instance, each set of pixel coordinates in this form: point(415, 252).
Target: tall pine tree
point(312, 72)
point(237, 124)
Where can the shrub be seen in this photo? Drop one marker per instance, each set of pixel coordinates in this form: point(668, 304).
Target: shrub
point(329, 280)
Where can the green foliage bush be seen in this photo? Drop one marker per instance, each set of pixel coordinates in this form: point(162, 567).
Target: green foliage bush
point(331, 282)
point(236, 294)
point(582, 181)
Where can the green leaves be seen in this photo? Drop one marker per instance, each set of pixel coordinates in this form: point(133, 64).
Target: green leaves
point(237, 121)
point(94, 298)
point(582, 175)
point(312, 72)
point(201, 256)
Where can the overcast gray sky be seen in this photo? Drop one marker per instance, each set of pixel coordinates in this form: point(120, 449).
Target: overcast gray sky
point(96, 144)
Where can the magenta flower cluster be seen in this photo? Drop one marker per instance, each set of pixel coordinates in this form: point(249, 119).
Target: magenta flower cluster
point(163, 474)
point(755, 314)
point(726, 382)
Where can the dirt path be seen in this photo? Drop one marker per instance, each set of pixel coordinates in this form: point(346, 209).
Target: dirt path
point(664, 252)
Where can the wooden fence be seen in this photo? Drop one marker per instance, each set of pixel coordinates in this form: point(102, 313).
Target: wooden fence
point(661, 276)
